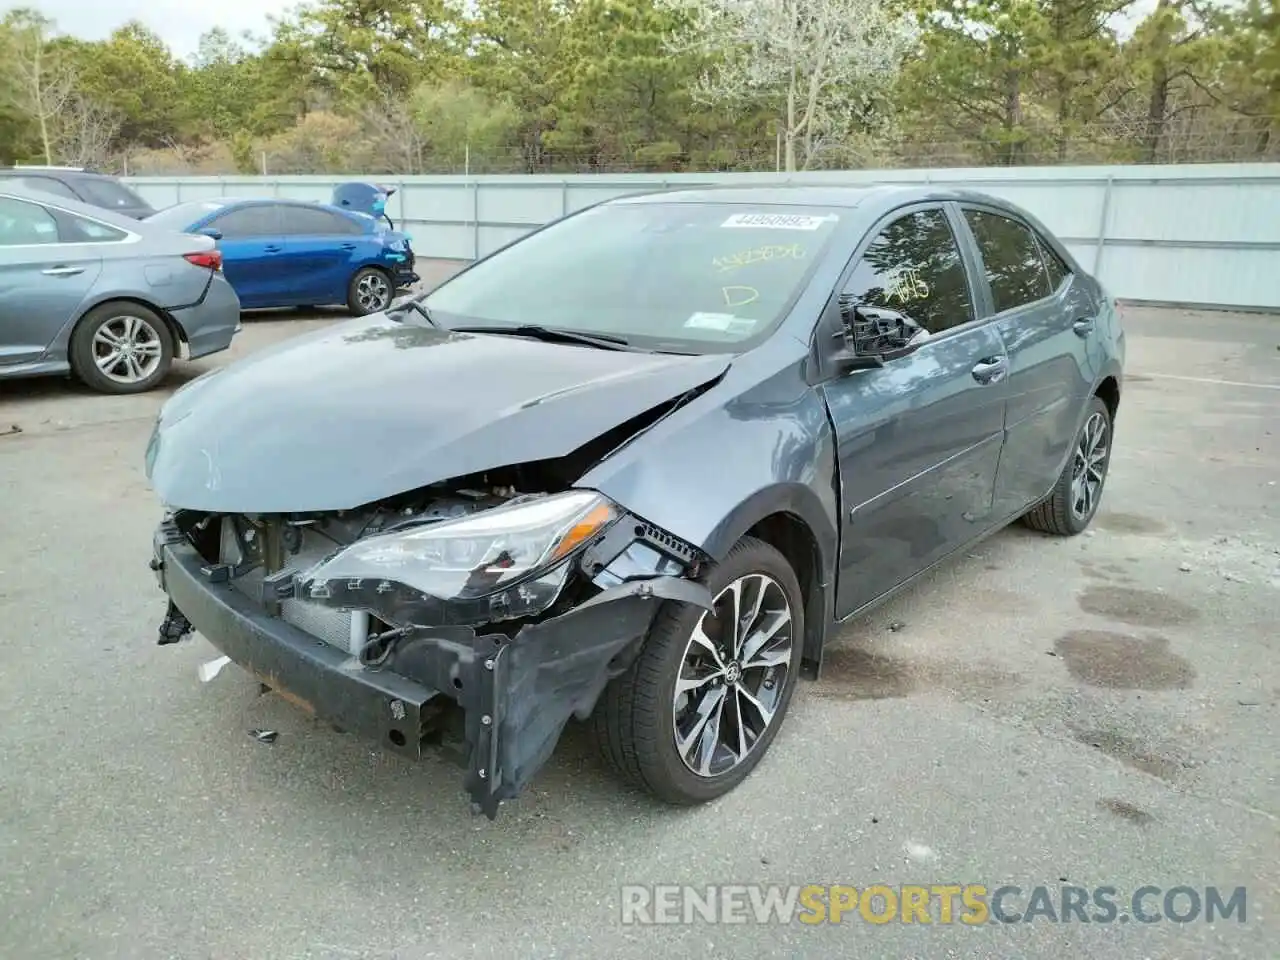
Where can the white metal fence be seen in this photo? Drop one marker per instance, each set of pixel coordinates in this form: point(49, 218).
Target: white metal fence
point(1188, 234)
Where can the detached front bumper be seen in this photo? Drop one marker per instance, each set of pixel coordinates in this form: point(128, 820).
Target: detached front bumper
point(516, 694)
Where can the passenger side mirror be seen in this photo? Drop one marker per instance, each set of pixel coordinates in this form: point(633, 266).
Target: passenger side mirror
point(213, 233)
point(873, 335)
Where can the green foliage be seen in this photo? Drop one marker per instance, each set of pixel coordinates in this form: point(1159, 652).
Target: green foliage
point(408, 86)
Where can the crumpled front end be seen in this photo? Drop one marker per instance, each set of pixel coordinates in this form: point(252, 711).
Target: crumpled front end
point(467, 617)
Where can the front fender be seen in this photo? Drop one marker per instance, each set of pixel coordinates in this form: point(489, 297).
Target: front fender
point(751, 447)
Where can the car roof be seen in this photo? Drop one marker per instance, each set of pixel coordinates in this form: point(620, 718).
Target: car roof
point(874, 198)
point(78, 207)
point(56, 173)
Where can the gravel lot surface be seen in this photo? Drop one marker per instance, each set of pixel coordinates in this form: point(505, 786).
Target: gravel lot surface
point(1095, 711)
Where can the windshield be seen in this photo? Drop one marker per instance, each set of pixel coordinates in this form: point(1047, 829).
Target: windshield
point(686, 277)
point(110, 194)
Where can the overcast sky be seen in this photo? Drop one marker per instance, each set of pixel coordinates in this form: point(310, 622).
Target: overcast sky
point(178, 22)
point(181, 22)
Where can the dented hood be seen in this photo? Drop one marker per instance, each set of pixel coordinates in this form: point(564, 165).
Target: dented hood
point(370, 408)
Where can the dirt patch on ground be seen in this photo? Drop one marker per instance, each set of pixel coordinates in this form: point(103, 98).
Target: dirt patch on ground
point(1115, 522)
point(854, 673)
point(1131, 752)
point(1113, 660)
point(1143, 608)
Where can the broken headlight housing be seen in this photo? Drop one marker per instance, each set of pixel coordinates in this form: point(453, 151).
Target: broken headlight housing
point(497, 564)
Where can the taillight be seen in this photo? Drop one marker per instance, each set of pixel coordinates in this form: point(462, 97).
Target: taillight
point(209, 258)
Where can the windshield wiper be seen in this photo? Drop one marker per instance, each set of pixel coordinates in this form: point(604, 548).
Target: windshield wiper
point(553, 335)
point(416, 305)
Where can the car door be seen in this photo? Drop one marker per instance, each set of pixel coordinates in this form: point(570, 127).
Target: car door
point(919, 438)
point(319, 247)
point(252, 247)
point(43, 280)
point(1046, 321)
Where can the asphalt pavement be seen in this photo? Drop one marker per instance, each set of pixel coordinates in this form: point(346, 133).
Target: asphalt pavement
point(1099, 711)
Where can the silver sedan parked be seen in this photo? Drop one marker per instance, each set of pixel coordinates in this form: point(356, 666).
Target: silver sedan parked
point(104, 297)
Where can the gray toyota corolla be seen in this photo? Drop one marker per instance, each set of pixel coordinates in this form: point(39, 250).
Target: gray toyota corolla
point(634, 469)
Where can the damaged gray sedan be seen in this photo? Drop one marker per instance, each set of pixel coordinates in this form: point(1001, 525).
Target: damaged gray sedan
point(634, 468)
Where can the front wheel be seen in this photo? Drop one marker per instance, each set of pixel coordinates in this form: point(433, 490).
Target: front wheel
point(1071, 506)
point(369, 292)
point(707, 694)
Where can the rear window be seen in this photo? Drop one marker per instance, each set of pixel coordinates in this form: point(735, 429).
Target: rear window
point(110, 194)
point(182, 215)
point(47, 185)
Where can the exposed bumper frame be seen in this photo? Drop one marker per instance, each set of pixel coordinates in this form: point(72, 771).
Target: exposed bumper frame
point(517, 694)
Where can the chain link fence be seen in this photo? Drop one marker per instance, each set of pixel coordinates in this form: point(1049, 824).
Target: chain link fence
point(1182, 139)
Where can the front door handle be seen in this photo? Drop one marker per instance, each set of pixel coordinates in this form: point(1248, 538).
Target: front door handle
point(1083, 327)
point(272, 248)
point(348, 246)
point(62, 271)
point(990, 370)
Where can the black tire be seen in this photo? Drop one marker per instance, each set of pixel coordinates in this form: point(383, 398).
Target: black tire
point(135, 371)
point(369, 291)
point(634, 723)
point(1060, 512)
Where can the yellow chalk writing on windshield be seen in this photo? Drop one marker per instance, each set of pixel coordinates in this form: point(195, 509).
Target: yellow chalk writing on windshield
point(743, 258)
point(907, 286)
point(739, 296)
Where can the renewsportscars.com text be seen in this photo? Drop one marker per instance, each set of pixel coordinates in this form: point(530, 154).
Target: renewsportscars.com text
point(970, 904)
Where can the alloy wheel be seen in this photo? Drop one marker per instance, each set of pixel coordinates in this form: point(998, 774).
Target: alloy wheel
point(127, 349)
point(373, 292)
point(733, 675)
point(1089, 467)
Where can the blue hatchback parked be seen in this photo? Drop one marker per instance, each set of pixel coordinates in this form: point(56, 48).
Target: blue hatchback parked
point(282, 253)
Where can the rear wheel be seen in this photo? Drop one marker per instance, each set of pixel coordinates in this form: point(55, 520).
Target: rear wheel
point(370, 290)
point(121, 348)
point(706, 696)
point(1071, 506)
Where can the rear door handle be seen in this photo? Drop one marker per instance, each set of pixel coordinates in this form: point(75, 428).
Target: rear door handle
point(1083, 327)
point(990, 370)
point(62, 271)
point(348, 246)
point(272, 248)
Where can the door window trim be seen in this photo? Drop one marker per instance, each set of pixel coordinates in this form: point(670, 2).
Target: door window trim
point(981, 268)
point(271, 206)
point(129, 235)
point(827, 327)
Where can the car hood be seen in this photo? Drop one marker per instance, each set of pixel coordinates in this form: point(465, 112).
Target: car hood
point(370, 408)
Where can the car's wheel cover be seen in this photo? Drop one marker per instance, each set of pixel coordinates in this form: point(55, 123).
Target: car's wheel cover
point(733, 675)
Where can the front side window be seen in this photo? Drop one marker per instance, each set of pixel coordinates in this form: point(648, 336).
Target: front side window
point(914, 266)
point(23, 224)
point(684, 277)
point(1011, 258)
point(260, 220)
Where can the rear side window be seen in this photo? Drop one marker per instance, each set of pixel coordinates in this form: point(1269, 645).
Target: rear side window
point(79, 230)
point(1011, 257)
point(23, 224)
point(313, 221)
point(914, 266)
point(260, 220)
point(1058, 271)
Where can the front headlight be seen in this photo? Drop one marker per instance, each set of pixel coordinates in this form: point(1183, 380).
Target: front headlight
point(512, 556)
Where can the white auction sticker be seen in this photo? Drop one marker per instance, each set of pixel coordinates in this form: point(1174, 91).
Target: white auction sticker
point(778, 221)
